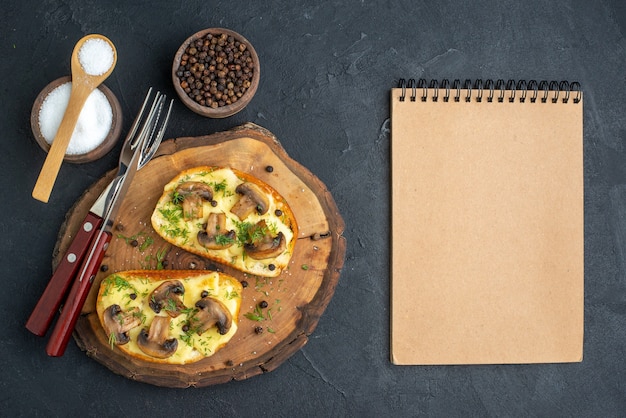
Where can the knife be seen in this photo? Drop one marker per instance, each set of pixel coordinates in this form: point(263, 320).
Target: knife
point(50, 300)
point(80, 288)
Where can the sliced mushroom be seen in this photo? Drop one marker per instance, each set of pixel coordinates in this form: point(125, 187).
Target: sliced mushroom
point(252, 199)
point(268, 245)
point(194, 194)
point(154, 342)
point(215, 236)
point(212, 312)
point(168, 297)
point(117, 323)
point(195, 187)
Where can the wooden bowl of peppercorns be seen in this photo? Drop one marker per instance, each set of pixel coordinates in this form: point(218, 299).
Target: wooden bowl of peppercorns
point(216, 72)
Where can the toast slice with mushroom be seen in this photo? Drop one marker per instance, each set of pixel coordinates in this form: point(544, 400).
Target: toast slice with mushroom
point(169, 316)
point(227, 216)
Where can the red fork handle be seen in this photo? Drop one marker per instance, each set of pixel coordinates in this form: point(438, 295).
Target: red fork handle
point(51, 298)
point(76, 299)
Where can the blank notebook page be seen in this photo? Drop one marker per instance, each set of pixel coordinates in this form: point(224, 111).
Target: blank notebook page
point(487, 230)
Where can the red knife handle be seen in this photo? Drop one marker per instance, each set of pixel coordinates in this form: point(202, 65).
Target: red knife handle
point(50, 300)
point(76, 298)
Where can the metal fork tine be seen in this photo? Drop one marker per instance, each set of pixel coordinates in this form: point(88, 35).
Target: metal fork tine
point(147, 124)
point(161, 131)
point(131, 138)
point(143, 137)
point(150, 150)
point(155, 117)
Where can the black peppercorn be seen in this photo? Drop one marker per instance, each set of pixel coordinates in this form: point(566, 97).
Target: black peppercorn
point(104, 267)
point(278, 212)
point(132, 296)
point(263, 304)
point(204, 294)
point(244, 284)
point(218, 57)
point(272, 267)
point(134, 243)
point(258, 330)
point(269, 168)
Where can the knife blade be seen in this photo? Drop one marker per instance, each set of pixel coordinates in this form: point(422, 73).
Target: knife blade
point(42, 315)
point(62, 331)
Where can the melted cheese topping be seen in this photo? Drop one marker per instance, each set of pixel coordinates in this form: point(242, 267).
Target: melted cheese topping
point(133, 289)
point(167, 220)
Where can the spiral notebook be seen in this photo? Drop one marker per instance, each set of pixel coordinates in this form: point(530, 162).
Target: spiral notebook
point(487, 222)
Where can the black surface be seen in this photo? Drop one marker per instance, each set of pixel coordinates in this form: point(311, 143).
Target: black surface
point(326, 73)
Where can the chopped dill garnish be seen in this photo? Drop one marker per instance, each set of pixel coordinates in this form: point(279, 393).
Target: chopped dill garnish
point(177, 198)
point(134, 240)
point(172, 215)
point(257, 315)
point(118, 282)
point(224, 240)
point(112, 339)
point(219, 187)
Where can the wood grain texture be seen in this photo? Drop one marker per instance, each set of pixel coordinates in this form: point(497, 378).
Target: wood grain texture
point(297, 298)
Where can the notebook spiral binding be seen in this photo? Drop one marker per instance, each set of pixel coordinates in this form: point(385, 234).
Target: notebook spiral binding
point(544, 91)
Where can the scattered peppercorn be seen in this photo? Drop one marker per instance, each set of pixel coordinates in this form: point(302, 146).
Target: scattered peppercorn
point(269, 168)
point(216, 70)
point(278, 212)
point(204, 294)
point(104, 267)
point(272, 267)
point(263, 304)
point(185, 328)
point(244, 284)
point(258, 330)
point(132, 296)
point(134, 243)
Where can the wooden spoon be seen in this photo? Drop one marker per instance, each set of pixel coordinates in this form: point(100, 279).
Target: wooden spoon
point(83, 83)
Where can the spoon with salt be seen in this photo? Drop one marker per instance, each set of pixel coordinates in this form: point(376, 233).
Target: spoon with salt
point(93, 60)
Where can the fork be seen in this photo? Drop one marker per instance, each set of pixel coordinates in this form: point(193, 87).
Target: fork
point(43, 313)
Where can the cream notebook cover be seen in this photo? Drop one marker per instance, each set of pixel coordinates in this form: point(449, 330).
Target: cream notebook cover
point(487, 223)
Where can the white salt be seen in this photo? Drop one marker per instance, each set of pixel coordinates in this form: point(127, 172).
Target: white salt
point(96, 56)
point(94, 121)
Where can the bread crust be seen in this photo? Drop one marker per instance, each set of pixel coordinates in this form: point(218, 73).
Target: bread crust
point(131, 291)
point(224, 181)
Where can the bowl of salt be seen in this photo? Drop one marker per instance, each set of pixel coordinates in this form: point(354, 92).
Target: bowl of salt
point(98, 127)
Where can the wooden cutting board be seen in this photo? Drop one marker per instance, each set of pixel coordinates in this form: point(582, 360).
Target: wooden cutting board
point(297, 298)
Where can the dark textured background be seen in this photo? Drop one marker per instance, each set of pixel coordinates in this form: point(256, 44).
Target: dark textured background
point(326, 72)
